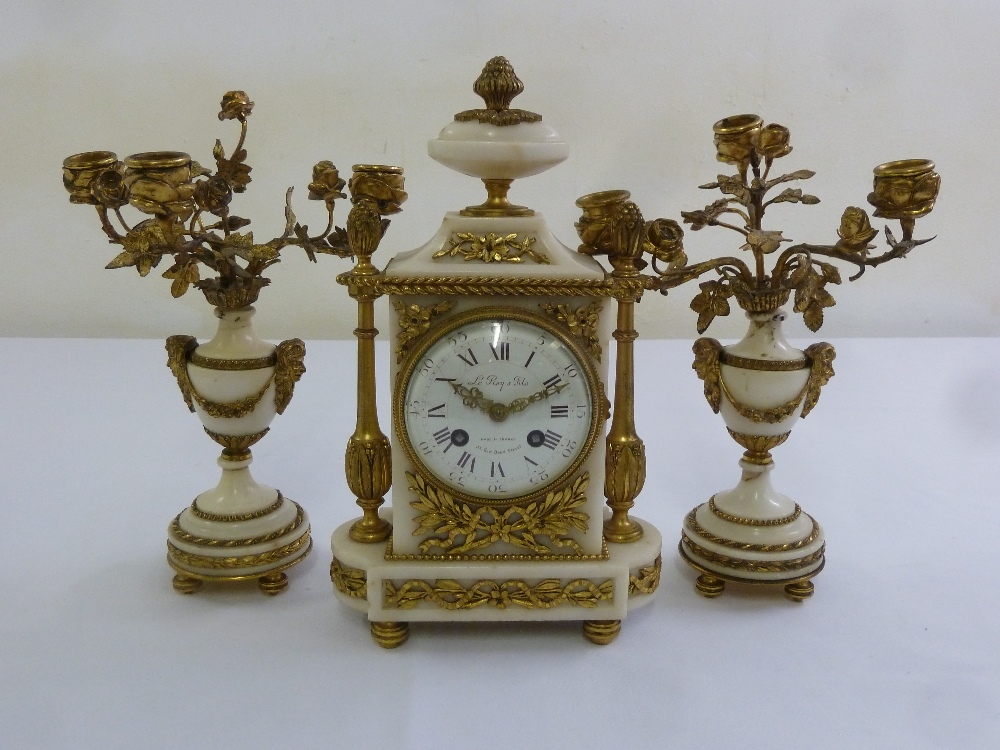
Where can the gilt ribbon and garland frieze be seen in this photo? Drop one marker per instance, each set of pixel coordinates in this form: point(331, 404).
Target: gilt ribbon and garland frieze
point(647, 580)
point(452, 595)
point(352, 582)
point(455, 527)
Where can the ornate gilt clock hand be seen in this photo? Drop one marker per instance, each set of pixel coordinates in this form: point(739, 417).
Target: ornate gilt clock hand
point(520, 404)
point(474, 399)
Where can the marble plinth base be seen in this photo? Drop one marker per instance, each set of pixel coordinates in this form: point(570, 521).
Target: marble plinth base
point(394, 592)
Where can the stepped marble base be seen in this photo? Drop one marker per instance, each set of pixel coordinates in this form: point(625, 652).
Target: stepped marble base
point(257, 544)
point(787, 554)
point(394, 592)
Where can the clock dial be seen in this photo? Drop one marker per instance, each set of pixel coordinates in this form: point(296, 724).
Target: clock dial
point(498, 407)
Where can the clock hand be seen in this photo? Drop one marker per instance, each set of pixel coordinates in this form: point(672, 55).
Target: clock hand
point(520, 404)
point(474, 398)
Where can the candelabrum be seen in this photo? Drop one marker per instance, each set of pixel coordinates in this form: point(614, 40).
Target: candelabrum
point(235, 382)
point(761, 385)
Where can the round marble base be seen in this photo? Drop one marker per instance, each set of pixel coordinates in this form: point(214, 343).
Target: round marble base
point(712, 582)
point(254, 545)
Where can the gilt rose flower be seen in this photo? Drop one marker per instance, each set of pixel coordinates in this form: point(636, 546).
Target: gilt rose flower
point(109, 188)
point(905, 189)
point(213, 194)
point(326, 183)
point(665, 241)
point(855, 230)
point(773, 141)
point(378, 183)
point(736, 137)
point(236, 105)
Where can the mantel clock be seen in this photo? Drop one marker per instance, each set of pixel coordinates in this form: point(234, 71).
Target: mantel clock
point(511, 496)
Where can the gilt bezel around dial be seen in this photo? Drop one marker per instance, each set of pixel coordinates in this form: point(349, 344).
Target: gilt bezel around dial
point(557, 353)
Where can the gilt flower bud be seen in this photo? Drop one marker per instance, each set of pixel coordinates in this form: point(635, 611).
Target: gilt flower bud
point(109, 189)
point(236, 105)
point(855, 230)
point(326, 183)
point(773, 141)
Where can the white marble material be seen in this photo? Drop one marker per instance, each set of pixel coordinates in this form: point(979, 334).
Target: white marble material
point(759, 389)
point(235, 338)
point(237, 492)
point(754, 499)
point(490, 151)
point(564, 262)
point(623, 559)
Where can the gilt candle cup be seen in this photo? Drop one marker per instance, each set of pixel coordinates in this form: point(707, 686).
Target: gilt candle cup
point(159, 183)
point(380, 183)
point(592, 226)
point(904, 189)
point(735, 138)
point(80, 170)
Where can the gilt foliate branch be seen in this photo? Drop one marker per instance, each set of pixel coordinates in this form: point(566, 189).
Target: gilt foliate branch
point(179, 194)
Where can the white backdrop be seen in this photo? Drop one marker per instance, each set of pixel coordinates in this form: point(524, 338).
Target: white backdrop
point(634, 87)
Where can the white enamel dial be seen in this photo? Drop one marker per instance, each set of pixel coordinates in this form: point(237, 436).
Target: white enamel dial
point(498, 408)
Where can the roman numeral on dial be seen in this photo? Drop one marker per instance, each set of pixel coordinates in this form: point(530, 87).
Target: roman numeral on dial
point(551, 439)
point(552, 382)
point(440, 408)
point(557, 411)
point(463, 460)
point(443, 435)
point(501, 351)
point(496, 468)
point(471, 360)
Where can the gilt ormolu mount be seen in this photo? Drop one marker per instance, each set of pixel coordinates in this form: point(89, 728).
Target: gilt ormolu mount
point(499, 452)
